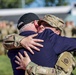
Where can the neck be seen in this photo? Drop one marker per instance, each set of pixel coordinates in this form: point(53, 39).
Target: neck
point(28, 28)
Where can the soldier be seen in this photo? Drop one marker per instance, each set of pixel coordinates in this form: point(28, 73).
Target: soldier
point(52, 22)
point(12, 29)
point(6, 29)
point(3, 33)
point(68, 29)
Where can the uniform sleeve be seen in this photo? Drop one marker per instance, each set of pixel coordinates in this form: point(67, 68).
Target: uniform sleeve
point(64, 44)
point(12, 41)
point(34, 69)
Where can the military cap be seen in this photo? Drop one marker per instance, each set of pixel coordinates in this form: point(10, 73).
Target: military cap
point(53, 21)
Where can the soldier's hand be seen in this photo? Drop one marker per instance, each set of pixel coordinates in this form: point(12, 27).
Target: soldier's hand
point(22, 61)
point(31, 43)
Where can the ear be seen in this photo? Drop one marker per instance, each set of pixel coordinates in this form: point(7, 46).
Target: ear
point(36, 23)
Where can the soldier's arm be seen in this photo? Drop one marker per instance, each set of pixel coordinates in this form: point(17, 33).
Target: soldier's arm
point(12, 41)
point(34, 69)
point(17, 41)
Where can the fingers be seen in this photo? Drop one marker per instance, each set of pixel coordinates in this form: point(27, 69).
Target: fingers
point(30, 50)
point(32, 43)
point(19, 67)
point(20, 55)
point(25, 53)
point(18, 58)
point(38, 40)
point(17, 62)
point(34, 47)
point(37, 44)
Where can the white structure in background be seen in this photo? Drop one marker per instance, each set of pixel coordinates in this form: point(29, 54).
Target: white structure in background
point(42, 10)
point(14, 14)
point(73, 10)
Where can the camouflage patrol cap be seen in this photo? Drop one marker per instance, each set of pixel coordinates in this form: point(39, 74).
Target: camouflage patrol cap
point(53, 21)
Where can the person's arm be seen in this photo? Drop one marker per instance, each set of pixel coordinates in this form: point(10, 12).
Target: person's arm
point(17, 41)
point(12, 41)
point(32, 68)
point(63, 44)
point(35, 69)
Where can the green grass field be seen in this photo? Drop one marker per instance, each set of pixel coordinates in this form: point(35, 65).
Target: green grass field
point(5, 66)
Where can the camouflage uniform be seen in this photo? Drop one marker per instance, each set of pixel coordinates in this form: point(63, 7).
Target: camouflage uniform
point(6, 28)
point(68, 31)
point(34, 69)
point(13, 41)
point(11, 28)
point(3, 33)
point(53, 21)
point(64, 66)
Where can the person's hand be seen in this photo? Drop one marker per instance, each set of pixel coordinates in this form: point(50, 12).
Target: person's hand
point(31, 43)
point(22, 61)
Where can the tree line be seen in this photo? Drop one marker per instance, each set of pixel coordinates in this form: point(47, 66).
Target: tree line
point(18, 3)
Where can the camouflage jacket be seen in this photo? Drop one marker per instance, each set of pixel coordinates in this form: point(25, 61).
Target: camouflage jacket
point(12, 41)
point(34, 69)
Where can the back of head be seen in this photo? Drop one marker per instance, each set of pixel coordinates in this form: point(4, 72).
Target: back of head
point(26, 18)
point(53, 21)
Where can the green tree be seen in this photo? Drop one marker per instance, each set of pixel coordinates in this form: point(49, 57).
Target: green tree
point(50, 2)
point(62, 2)
point(9, 4)
point(27, 2)
point(18, 3)
point(56, 2)
point(13, 3)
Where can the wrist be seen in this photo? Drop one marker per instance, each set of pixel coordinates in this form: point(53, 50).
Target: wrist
point(30, 64)
point(18, 39)
point(21, 40)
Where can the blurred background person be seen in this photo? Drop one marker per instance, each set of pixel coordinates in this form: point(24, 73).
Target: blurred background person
point(6, 28)
point(69, 25)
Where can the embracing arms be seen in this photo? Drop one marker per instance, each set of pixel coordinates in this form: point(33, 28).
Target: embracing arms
point(16, 41)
